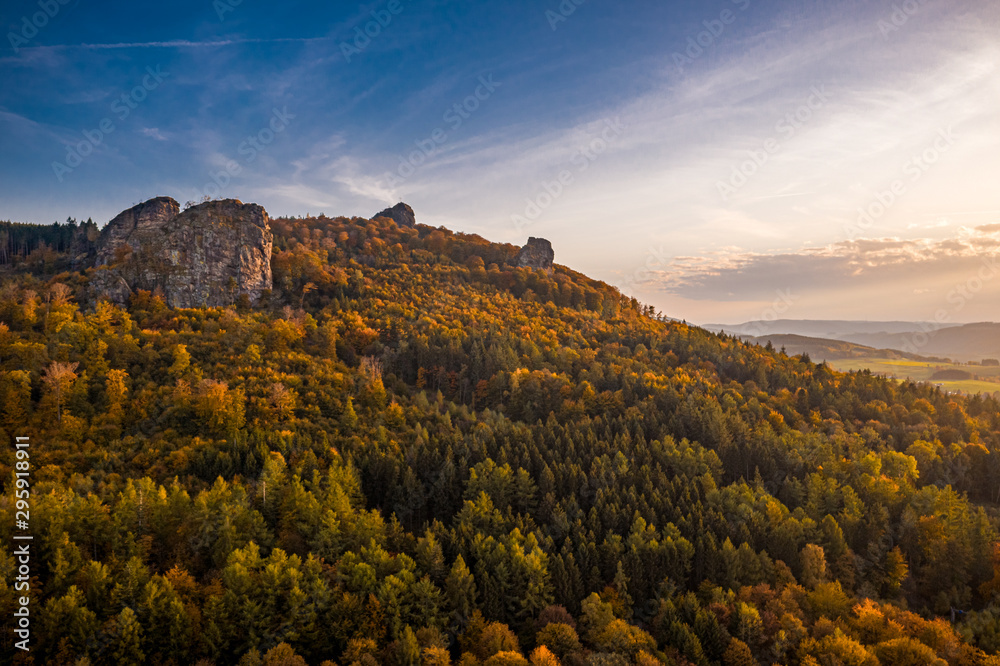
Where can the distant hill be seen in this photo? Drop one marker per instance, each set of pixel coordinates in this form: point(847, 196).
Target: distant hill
point(972, 342)
point(951, 375)
point(821, 349)
point(965, 343)
point(820, 328)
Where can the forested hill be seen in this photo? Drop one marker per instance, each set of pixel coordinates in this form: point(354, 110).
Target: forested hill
point(413, 452)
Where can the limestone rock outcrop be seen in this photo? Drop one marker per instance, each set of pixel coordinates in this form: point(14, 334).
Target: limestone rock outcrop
point(207, 255)
point(401, 213)
point(537, 254)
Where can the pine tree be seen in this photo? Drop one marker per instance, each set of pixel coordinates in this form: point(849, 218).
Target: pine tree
point(126, 646)
point(460, 588)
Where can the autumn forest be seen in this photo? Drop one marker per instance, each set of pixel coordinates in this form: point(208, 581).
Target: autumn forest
point(412, 451)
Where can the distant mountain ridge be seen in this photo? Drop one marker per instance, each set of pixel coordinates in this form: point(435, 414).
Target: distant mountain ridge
point(827, 328)
point(821, 349)
point(959, 342)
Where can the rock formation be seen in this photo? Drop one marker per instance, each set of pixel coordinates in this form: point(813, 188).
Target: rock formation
point(142, 219)
point(537, 254)
point(207, 255)
point(401, 213)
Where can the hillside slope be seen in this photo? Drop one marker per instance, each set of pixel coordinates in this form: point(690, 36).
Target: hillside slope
point(825, 350)
point(414, 450)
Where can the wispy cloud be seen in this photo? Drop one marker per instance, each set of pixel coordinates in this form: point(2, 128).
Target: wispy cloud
point(655, 186)
point(686, 134)
point(153, 133)
point(171, 44)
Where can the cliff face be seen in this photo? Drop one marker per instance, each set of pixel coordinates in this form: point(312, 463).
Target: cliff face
point(205, 256)
point(537, 254)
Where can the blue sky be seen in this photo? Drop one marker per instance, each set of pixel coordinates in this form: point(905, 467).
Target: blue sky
point(712, 158)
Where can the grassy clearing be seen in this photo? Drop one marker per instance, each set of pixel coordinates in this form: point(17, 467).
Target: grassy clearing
point(986, 379)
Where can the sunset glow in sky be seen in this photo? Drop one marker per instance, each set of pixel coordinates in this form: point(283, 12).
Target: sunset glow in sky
point(705, 156)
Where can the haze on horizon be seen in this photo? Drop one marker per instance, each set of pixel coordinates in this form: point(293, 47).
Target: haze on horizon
point(724, 161)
